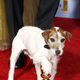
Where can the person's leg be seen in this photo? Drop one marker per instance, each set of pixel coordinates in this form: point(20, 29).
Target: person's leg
point(18, 14)
point(10, 17)
point(46, 13)
point(14, 11)
point(18, 9)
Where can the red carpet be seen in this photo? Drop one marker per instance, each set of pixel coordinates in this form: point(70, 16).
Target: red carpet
point(69, 65)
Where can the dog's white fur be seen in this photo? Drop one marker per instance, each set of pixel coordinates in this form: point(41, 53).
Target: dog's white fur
point(30, 39)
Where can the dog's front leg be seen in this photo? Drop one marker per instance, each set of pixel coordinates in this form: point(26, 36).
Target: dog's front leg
point(53, 74)
point(54, 69)
point(38, 71)
point(44, 63)
point(46, 66)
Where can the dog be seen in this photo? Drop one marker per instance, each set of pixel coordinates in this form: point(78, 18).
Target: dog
point(44, 47)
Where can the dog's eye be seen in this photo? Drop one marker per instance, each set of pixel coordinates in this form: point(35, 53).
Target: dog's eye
point(62, 40)
point(52, 39)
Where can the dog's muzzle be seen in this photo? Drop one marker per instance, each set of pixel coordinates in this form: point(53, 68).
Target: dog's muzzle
point(57, 52)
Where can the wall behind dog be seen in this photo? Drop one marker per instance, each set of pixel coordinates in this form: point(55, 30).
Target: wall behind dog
point(69, 9)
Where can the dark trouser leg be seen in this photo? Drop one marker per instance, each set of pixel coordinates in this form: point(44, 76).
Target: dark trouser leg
point(46, 13)
point(14, 11)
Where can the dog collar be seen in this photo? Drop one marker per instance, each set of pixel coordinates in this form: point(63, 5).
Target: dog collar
point(46, 46)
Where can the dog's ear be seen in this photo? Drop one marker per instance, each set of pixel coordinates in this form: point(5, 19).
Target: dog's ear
point(68, 35)
point(45, 34)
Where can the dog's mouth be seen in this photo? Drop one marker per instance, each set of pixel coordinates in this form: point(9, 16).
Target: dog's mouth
point(60, 56)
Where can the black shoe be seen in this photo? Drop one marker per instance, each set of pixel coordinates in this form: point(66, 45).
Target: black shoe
point(20, 61)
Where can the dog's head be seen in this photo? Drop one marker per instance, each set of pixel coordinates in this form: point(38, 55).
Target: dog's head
point(55, 39)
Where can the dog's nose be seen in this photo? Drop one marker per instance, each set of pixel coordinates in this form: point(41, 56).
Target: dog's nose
point(57, 52)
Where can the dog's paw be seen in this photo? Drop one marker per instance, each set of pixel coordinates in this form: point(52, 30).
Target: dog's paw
point(45, 76)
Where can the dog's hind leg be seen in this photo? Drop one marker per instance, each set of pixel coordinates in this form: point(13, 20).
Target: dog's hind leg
point(16, 50)
point(12, 65)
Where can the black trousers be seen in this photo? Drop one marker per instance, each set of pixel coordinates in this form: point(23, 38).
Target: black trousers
point(46, 13)
point(14, 10)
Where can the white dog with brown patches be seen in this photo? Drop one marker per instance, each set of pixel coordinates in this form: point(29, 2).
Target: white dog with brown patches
point(43, 46)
